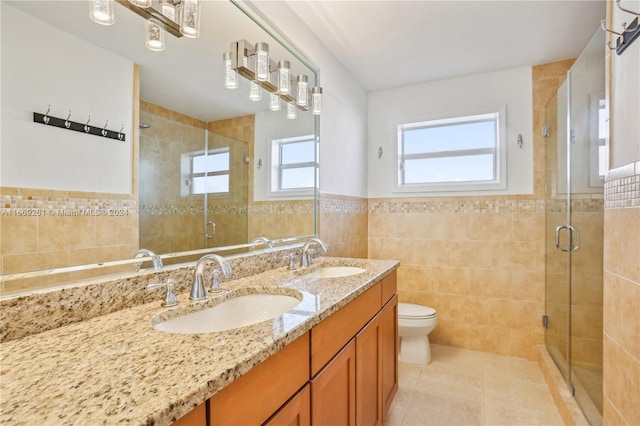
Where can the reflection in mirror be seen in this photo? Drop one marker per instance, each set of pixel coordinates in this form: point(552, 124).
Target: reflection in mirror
point(199, 168)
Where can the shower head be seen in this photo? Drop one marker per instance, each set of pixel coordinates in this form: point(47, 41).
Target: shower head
point(144, 125)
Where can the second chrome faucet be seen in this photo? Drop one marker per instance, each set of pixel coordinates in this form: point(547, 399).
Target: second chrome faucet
point(198, 290)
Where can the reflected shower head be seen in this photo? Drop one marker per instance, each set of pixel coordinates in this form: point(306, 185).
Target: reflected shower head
point(144, 125)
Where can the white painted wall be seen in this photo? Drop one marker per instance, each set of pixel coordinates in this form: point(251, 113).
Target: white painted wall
point(42, 65)
point(343, 123)
point(388, 108)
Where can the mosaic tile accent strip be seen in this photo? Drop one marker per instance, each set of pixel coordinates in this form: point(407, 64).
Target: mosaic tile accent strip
point(622, 188)
point(330, 203)
point(577, 205)
point(463, 206)
point(283, 208)
point(160, 210)
point(66, 205)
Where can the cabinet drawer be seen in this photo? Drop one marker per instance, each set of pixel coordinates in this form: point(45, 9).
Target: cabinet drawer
point(328, 337)
point(389, 286)
point(296, 412)
point(254, 397)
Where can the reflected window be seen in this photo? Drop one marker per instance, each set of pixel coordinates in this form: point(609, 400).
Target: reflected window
point(293, 165)
point(207, 172)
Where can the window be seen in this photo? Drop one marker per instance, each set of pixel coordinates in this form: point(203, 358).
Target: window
point(293, 165)
point(461, 153)
point(208, 172)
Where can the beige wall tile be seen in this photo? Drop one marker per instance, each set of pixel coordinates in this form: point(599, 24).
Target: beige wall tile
point(622, 245)
point(621, 381)
point(622, 312)
point(19, 234)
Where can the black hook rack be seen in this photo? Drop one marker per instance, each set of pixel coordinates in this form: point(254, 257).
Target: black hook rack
point(78, 127)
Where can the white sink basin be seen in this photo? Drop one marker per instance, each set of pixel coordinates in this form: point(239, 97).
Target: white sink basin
point(337, 271)
point(240, 311)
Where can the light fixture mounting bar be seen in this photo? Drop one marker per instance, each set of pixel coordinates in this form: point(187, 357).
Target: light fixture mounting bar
point(242, 52)
point(168, 25)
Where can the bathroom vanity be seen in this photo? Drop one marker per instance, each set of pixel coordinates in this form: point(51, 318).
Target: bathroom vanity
point(332, 359)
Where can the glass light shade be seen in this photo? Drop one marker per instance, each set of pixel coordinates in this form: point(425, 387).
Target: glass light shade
point(316, 100)
point(284, 82)
point(190, 18)
point(274, 102)
point(303, 90)
point(154, 36)
point(141, 3)
point(168, 9)
point(102, 12)
point(262, 61)
point(230, 75)
point(291, 111)
point(255, 92)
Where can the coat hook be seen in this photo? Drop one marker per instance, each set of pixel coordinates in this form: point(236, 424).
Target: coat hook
point(259, 163)
point(45, 119)
point(626, 10)
point(120, 132)
point(611, 47)
point(104, 129)
point(67, 123)
point(86, 126)
point(608, 30)
point(630, 30)
point(379, 152)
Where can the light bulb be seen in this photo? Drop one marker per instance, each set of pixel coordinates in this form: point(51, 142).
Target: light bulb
point(255, 94)
point(284, 84)
point(102, 12)
point(154, 36)
point(141, 3)
point(274, 102)
point(230, 75)
point(262, 61)
point(291, 111)
point(316, 100)
point(168, 9)
point(303, 90)
point(190, 18)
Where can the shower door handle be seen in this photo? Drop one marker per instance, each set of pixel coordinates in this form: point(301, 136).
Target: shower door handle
point(213, 230)
point(573, 236)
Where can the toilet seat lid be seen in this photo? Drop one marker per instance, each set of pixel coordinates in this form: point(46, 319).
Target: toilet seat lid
point(413, 311)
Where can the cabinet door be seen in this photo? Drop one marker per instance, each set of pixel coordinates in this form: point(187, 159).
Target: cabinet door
point(333, 391)
point(195, 417)
point(368, 374)
point(389, 332)
point(296, 412)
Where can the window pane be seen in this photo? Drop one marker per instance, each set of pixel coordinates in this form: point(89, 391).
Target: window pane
point(450, 169)
point(298, 152)
point(450, 137)
point(214, 162)
point(214, 184)
point(297, 178)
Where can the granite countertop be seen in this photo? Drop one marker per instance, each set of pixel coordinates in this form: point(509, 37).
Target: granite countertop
point(117, 368)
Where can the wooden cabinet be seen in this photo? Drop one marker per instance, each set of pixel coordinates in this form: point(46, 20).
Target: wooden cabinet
point(195, 417)
point(333, 391)
point(296, 412)
point(368, 374)
point(389, 352)
point(254, 397)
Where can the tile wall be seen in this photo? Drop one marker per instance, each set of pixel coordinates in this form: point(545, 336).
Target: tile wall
point(343, 225)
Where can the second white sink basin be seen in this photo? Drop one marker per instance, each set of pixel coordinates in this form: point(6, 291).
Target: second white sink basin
point(240, 311)
point(337, 271)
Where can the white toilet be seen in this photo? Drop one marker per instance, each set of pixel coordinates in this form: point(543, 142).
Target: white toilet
point(415, 322)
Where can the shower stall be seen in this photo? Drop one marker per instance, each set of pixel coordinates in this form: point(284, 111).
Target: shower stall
point(576, 138)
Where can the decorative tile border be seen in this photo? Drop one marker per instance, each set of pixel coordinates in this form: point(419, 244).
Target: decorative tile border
point(67, 205)
point(452, 206)
point(291, 207)
point(622, 187)
point(160, 210)
point(331, 203)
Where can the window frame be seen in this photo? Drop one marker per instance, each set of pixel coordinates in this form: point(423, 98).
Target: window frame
point(187, 184)
point(499, 151)
point(276, 167)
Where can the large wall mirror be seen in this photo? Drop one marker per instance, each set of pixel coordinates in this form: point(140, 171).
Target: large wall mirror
point(201, 166)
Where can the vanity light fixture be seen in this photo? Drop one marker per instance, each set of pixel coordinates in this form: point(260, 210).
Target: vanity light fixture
point(244, 61)
point(303, 90)
point(154, 36)
point(168, 9)
point(255, 94)
point(274, 102)
point(190, 18)
point(316, 100)
point(291, 111)
point(102, 12)
point(230, 75)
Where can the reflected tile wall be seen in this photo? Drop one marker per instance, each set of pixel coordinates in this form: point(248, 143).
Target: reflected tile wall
point(343, 225)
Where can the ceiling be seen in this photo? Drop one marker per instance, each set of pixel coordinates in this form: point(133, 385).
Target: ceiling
point(387, 44)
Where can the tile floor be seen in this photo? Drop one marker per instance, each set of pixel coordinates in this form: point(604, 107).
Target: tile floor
point(462, 387)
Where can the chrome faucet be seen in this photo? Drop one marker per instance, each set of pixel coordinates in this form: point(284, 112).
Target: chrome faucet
point(155, 259)
point(306, 260)
point(263, 240)
point(198, 292)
